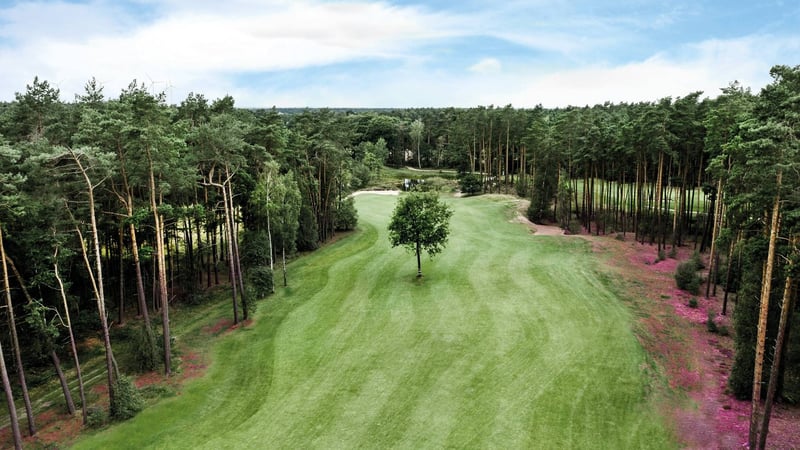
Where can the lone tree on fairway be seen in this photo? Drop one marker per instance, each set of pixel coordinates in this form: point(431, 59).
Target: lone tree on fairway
point(420, 222)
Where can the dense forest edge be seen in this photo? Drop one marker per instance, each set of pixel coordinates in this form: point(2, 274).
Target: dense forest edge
point(115, 212)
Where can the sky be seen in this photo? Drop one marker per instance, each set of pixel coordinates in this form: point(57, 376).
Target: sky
point(398, 53)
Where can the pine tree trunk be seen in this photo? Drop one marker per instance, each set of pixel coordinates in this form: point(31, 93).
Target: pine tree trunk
point(161, 269)
point(140, 296)
point(71, 337)
point(121, 262)
point(766, 286)
point(283, 253)
point(64, 386)
point(12, 409)
point(15, 341)
point(786, 311)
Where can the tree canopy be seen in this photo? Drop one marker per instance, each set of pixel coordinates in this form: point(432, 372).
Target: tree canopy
point(420, 222)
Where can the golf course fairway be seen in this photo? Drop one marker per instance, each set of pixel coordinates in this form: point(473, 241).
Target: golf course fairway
point(510, 340)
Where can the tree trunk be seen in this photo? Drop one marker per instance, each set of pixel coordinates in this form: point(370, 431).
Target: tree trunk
point(121, 262)
point(786, 311)
point(161, 268)
point(766, 286)
point(12, 409)
point(71, 337)
point(140, 282)
point(15, 341)
point(64, 386)
point(419, 263)
point(283, 253)
point(713, 257)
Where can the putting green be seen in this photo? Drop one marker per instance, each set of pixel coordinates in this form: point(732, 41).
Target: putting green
point(509, 341)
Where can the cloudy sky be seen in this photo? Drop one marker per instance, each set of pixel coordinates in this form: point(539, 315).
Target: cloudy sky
point(398, 53)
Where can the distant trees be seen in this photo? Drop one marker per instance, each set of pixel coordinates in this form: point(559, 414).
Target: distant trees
point(420, 222)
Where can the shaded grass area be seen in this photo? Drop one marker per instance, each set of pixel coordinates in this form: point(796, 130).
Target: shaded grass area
point(509, 341)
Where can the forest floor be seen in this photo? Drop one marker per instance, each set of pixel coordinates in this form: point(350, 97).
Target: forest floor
point(695, 361)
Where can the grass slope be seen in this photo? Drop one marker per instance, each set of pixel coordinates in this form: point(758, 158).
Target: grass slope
point(509, 341)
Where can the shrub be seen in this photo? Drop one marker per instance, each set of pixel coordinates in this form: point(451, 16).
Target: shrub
point(711, 323)
point(346, 217)
point(673, 253)
point(145, 350)
point(127, 400)
point(620, 237)
point(260, 279)
point(96, 417)
point(662, 255)
point(469, 184)
point(574, 227)
point(686, 277)
point(692, 302)
point(697, 260)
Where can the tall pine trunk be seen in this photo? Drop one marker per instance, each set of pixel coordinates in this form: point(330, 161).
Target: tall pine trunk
point(73, 346)
point(15, 342)
point(12, 409)
point(786, 311)
point(766, 287)
point(161, 268)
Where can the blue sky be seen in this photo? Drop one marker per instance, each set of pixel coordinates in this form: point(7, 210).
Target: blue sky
point(364, 53)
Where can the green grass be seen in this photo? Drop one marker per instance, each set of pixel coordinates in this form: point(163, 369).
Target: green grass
point(509, 341)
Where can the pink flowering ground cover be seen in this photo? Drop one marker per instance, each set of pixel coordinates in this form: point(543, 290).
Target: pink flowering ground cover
point(695, 361)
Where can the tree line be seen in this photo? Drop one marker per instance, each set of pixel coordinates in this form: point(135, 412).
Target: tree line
point(128, 197)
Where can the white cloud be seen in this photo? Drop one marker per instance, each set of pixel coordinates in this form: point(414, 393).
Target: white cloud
point(486, 65)
point(177, 47)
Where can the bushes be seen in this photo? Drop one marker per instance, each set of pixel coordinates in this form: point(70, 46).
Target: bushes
point(96, 417)
point(469, 184)
point(686, 275)
point(127, 400)
point(146, 353)
point(260, 279)
point(346, 217)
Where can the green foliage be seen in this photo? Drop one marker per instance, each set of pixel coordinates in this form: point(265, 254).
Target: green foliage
point(686, 276)
point(146, 349)
point(745, 319)
point(711, 322)
point(96, 417)
point(420, 222)
point(307, 231)
point(346, 215)
point(692, 302)
point(260, 279)
point(470, 184)
point(662, 255)
point(255, 248)
point(127, 400)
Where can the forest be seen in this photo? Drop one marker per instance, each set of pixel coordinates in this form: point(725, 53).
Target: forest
point(117, 207)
